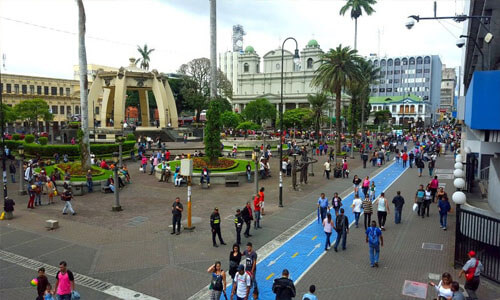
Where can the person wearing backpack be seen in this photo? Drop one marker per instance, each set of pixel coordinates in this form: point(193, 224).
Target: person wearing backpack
point(283, 287)
point(375, 241)
point(472, 270)
point(419, 199)
point(241, 285)
point(218, 283)
point(342, 228)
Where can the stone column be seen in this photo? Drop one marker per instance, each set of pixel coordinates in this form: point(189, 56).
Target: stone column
point(144, 103)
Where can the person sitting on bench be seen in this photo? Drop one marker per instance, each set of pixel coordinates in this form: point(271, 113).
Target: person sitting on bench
point(178, 179)
point(205, 173)
point(111, 183)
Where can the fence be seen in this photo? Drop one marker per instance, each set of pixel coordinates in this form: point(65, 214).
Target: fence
point(481, 233)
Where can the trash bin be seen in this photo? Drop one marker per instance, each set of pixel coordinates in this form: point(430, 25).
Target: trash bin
point(77, 188)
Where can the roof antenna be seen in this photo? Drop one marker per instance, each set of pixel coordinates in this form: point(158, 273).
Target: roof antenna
point(435, 9)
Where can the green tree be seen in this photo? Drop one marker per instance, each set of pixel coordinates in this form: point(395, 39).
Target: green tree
point(357, 7)
point(382, 117)
point(319, 103)
point(9, 115)
point(300, 118)
point(230, 119)
point(248, 125)
point(144, 59)
point(338, 67)
point(259, 111)
point(33, 110)
point(225, 105)
point(195, 101)
point(212, 132)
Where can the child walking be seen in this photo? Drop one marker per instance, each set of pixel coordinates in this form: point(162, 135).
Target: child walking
point(372, 191)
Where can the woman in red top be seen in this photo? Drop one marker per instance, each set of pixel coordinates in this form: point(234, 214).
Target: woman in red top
point(256, 209)
point(405, 159)
point(434, 185)
point(261, 196)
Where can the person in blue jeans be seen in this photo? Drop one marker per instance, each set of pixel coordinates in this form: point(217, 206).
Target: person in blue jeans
point(327, 227)
point(323, 206)
point(375, 241)
point(342, 229)
point(398, 202)
point(444, 207)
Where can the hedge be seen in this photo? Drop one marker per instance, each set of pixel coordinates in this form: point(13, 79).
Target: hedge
point(130, 137)
point(29, 138)
point(43, 141)
point(74, 150)
point(16, 137)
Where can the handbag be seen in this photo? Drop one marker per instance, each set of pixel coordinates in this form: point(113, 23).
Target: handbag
point(469, 275)
point(141, 169)
point(415, 206)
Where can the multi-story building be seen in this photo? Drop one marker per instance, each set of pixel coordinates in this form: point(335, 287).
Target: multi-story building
point(404, 109)
point(418, 75)
point(448, 84)
point(62, 96)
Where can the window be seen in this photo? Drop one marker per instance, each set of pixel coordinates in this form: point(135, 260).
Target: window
point(375, 63)
point(38, 90)
point(401, 109)
point(389, 90)
point(382, 90)
point(427, 70)
point(68, 91)
point(32, 89)
point(412, 61)
point(397, 62)
point(394, 108)
point(374, 90)
point(389, 72)
point(16, 88)
point(382, 73)
point(396, 80)
point(405, 61)
point(77, 109)
point(45, 90)
point(246, 67)
point(24, 89)
point(419, 71)
point(257, 68)
point(427, 60)
point(420, 108)
point(419, 60)
point(382, 63)
point(97, 110)
point(389, 62)
point(62, 109)
point(54, 109)
point(68, 110)
point(396, 72)
point(61, 91)
point(412, 109)
point(309, 63)
point(53, 91)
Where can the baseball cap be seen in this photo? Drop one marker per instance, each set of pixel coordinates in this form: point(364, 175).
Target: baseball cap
point(241, 268)
point(472, 253)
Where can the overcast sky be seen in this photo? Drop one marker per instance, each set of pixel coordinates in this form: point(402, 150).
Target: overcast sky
point(179, 30)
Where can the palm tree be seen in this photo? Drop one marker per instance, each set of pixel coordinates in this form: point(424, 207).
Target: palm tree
point(144, 59)
point(370, 75)
point(357, 7)
point(83, 134)
point(319, 103)
point(338, 67)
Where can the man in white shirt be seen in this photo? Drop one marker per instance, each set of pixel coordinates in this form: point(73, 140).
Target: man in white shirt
point(241, 285)
point(356, 208)
point(327, 169)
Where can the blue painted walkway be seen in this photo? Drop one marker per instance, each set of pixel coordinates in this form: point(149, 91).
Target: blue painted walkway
point(300, 252)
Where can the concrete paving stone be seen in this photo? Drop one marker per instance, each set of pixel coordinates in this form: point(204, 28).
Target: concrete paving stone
point(38, 246)
point(126, 278)
point(14, 238)
point(79, 258)
point(6, 229)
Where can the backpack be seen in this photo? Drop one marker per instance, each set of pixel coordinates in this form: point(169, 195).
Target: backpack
point(216, 283)
point(373, 238)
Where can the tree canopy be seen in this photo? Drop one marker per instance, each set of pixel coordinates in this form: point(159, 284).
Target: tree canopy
point(213, 128)
point(259, 111)
point(300, 118)
point(230, 119)
point(33, 110)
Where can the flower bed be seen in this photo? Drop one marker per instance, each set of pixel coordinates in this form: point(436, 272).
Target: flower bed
point(221, 165)
point(75, 169)
point(76, 174)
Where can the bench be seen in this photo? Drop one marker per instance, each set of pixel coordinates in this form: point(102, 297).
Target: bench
point(105, 189)
point(232, 181)
point(248, 153)
point(204, 185)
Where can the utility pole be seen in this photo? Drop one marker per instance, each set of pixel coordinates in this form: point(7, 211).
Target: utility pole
point(213, 49)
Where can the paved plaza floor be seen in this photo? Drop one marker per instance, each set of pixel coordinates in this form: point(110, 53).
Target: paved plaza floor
point(132, 252)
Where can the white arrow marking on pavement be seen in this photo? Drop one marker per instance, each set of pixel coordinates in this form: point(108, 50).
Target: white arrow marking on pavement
point(272, 262)
point(315, 247)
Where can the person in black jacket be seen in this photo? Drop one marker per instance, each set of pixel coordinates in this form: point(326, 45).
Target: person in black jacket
point(238, 223)
point(247, 217)
point(398, 202)
point(283, 287)
point(215, 225)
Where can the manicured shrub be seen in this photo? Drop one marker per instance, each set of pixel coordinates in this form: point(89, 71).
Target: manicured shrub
point(43, 141)
point(48, 151)
point(29, 138)
point(16, 137)
point(130, 137)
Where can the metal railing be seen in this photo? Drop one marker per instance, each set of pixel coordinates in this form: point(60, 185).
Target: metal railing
point(481, 233)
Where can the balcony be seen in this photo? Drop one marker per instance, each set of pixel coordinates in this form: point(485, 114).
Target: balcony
point(482, 102)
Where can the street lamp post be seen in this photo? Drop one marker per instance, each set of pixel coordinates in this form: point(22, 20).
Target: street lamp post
point(296, 60)
point(116, 206)
point(20, 149)
point(256, 154)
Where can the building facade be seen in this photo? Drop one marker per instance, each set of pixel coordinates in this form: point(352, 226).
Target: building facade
point(448, 85)
point(417, 75)
point(405, 110)
point(62, 96)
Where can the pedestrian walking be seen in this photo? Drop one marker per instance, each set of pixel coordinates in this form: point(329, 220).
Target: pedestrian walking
point(238, 224)
point(457, 294)
point(342, 229)
point(310, 295)
point(434, 185)
point(177, 209)
point(283, 287)
point(404, 157)
point(241, 285)
point(431, 165)
point(419, 163)
point(66, 196)
point(327, 227)
point(356, 208)
point(419, 199)
point(427, 200)
point(372, 191)
point(12, 170)
point(375, 240)
point(356, 183)
point(38, 191)
point(31, 194)
point(398, 202)
point(90, 183)
point(382, 210)
point(443, 288)
point(42, 284)
point(65, 282)
point(51, 190)
point(246, 213)
point(249, 172)
point(411, 157)
point(261, 196)
point(215, 226)
point(256, 205)
point(322, 206)
point(336, 203)
point(327, 169)
point(144, 164)
point(218, 282)
point(234, 260)
point(444, 208)
point(251, 267)
point(367, 211)
point(365, 186)
point(364, 157)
